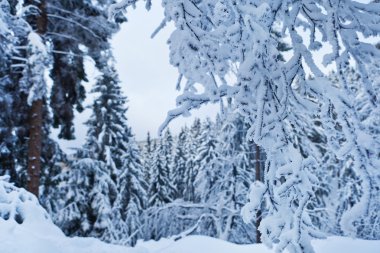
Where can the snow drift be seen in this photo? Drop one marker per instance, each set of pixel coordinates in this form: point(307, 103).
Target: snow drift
point(26, 227)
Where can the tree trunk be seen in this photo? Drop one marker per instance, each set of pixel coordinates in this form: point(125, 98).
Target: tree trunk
point(35, 147)
point(38, 22)
point(258, 178)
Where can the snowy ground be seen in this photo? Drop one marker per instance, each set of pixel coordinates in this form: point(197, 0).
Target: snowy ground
point(33, 238)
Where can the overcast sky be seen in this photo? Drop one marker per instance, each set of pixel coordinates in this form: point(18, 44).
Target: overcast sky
point(147, 78)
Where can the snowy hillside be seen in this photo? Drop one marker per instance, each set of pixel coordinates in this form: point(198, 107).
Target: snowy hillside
point(15, 238)
point(26, 227)
point(202, 244)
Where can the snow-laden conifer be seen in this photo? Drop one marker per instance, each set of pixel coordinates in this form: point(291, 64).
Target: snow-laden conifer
point(179, 164)
point(214, 39)
point(192, 142)
point(87, 197)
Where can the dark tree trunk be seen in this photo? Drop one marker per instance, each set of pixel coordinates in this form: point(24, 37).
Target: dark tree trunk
point(35, 147)
point(38, 22)
point(258, 177)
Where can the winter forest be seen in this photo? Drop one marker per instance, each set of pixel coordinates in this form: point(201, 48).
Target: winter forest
point(290, 163)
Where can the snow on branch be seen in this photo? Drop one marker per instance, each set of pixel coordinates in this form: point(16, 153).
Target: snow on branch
point(216, 39)
point(235, 51)
point(121, 6)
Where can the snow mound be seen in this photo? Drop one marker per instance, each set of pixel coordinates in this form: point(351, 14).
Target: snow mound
point(19, 206)
point(202, 244)
point(26, 227)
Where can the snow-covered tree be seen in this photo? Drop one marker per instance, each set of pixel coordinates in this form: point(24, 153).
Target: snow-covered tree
point(160, 193)
point(179, 164)
point(33, 84)
point(229, 174)
point(132, 196)
point(111, 144)
point(167, 152)
point(160, 187)
point(147, 154)
point(70, 28)
point(207, 153)
point(108, 130)
point(87, 197)
point(221, 183)
point(191, 145)
point(349, 184)
point(217, 38)
point(12, 29)
point(20, 206)
point(27, 98)
point(76, 29)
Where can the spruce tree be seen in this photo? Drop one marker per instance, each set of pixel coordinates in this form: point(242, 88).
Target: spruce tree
point(111, 150)
point(12, 30)
point(132, 196)
point(108, 130)
point(76, 29)
point(158, 194)
point(179, 164)
point(132, 193)
point(88, 195)
point(232, 182)
point(207, 153)
point(147, 154)
point(160, 186)
point(192, 142)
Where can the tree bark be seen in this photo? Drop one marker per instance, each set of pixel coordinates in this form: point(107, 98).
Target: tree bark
point(35, 147)
point(38, 22)
point(258, 178)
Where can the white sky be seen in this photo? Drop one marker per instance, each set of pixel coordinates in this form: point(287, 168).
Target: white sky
point(147, 78)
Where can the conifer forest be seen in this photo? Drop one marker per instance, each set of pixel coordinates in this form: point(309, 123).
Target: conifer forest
point(289, 163)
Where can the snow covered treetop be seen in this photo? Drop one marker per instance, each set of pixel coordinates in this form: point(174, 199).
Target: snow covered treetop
point(18, 205)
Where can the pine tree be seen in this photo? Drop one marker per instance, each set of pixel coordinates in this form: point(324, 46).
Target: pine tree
point(232, 174)
point(110, 144)
point(34, 85)
point(168, 162)
point(168, 147)
point(108, 132)
point(179, 164)
point(132, 196)
point(191, 163)
point(12, 29)
point(71, 31)
point(147, 154)
point(160, 186)
point(87, 200)
point(76, 29)
point(158, 195)
point(21, 84)
point(207, 154)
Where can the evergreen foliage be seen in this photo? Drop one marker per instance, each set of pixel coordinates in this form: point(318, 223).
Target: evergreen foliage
point(215, 39)
point(318, 133)
point(87, 197)
point(220, 177)
point(112, 156)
